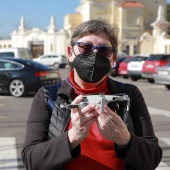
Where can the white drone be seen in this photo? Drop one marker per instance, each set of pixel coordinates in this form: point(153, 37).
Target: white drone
point(101, 100)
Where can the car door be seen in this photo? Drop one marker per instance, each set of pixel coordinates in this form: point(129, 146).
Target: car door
point(49, 60)
point(55, 59)
point(5, 67)
point(45, 60)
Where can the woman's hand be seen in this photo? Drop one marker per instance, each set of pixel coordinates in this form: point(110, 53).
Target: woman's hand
point(81, 119)
point(112, 127)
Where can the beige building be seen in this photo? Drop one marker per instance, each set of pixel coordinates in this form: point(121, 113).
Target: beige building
point(159, 40)
point(133, 18)
point(136, 19)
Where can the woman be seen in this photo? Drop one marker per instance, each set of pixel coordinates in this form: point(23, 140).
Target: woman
point(88, 138)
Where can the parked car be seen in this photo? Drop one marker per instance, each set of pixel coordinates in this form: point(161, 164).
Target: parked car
point(56, 61)
point(163, 75)
point(135, 66)
point(122, 70)
point(120, 57)
point(115, 67)
point(151, 64)
point(24, 53)
point(19, 76)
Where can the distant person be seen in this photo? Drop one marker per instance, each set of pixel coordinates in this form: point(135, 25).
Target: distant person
point(88, 138)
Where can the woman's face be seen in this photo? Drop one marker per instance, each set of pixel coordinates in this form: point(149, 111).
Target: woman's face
point(96, 40)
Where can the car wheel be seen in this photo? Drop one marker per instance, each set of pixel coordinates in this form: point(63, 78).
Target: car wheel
point(125, 77)
point(17, 88)
point(168, 87)
point(56, 66)
point(113, 74)
point(133, 78)
point(150, 80)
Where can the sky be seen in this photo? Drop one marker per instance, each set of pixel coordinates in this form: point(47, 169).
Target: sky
point(37, 13)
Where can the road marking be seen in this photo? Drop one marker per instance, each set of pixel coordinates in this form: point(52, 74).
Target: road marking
point(166, 140)
point(154, 111)
point(8, 153)
point(144, 86)
point(163, 166)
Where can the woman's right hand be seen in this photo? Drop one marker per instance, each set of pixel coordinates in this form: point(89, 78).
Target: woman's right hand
point(81, 119)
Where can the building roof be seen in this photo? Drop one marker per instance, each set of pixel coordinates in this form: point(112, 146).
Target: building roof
point(132, 4)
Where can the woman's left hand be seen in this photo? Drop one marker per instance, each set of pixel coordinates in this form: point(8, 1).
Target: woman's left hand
point(112, 127)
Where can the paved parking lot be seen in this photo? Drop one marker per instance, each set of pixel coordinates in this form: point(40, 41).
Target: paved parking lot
point(14, 112)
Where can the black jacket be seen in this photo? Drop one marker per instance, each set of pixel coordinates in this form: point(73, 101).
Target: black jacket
point(46, 144)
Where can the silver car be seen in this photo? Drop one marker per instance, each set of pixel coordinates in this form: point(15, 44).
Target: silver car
point(54, 60)
point(163, 75)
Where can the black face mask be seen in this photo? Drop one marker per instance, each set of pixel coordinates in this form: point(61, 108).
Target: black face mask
point(91, 68)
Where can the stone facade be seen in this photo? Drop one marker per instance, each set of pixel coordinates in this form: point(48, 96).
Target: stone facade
point(136, 20)
point(133, 18)
point(159, 40)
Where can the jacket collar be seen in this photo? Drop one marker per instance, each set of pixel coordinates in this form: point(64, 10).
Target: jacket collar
point(65, 89)
point(114, 86)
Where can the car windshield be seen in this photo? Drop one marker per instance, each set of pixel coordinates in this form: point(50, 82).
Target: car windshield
point(159, 57)
point(7, 54)
point(9, 65)
point(119, 59)
point(138, 58)
point(127, 60)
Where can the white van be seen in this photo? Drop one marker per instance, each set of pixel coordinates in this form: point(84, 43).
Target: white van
point(24, 53)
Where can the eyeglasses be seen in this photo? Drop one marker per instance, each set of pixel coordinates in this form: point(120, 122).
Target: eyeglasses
point(87, 48)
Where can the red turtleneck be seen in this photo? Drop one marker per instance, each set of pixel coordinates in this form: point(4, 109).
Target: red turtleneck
point(103, 87)
point(97, 153)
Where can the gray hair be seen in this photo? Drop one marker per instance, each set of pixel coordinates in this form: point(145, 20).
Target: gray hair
point(96, 27)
